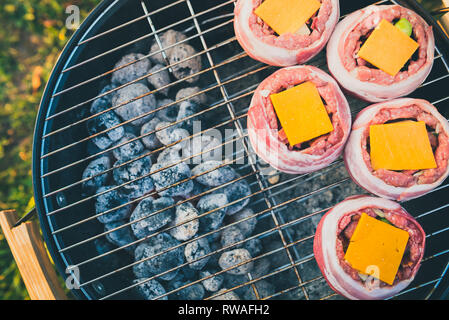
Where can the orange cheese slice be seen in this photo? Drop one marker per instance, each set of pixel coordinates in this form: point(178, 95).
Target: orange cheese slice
point(388, 48)
point(376, 248)
point(302, 113)
point(401, 146)
point(287, 16)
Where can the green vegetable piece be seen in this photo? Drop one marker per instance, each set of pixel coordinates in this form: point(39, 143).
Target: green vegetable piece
point(405, 26)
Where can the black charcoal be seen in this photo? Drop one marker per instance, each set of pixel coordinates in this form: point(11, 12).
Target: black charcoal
point(190, 64)
point(150, 141)
point(224, 294)
point(185, 118)
point(235, 191)
point(109, 124)
point(163, 262)
point(110, 200)
point(134, 69)
point(150, 289)
point(94, 169)
point(190, 292)
point(186, 230)
point(212, 202)
point(214, 283)
point(235, 257)
point(136, 171)
point(134, 101)
point(194, 251)
point(127, 151)
point(166, 179)
point(216, 175)
point(152, 222)
point(104, 102)
point(159, 79)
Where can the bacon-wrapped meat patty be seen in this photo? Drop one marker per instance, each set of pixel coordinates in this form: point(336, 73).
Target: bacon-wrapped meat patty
point(263, 44)
point(333, 236)
point(397, 185)
point(361, 78)
point(268, 138)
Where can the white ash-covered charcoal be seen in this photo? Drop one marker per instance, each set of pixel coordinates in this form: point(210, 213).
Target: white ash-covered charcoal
point(137, 171)
point(120, 237)
point(232, 258)
point(186, 230)
point(195, 250)
point(169, 155)
point(191, 63)
point(169, 135)
point(168, 110)
point(217, 173)
point(235, 191)
point(150, 141)
point(190, 292)
point(247, 226)
point(151, 289)
point(163, 262)
point(212, 202)
point(130, 150)
point(185, 116)
point(159, 78)
point(231, 235)
point(153, 221)
point(110, 200)
point(168, 38)
point(109, 122)
point(167, 181)
point(192, 94)
point(142, 103)
point(203, 148)
point(264, 289)
point(94, 169)
point(223, 295)
point(254, 247)
point(134, 69)
point(212, 284)
point(104, 102)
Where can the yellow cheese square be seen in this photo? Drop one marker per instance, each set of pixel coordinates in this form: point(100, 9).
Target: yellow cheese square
point(376, 247)
point(401, 146)
point(388, 48)
point(302, 113)
point(287, 16)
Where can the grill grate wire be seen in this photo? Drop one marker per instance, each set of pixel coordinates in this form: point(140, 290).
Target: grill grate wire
point(267, 191)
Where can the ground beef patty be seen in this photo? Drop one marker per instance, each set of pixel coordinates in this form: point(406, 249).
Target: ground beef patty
point(398, 185)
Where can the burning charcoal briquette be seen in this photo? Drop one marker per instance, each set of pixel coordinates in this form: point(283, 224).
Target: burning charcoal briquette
point(192, 94)
point(214, 283)
point(254, 247)
point(120, 237)
point(136, 171)
point(168, 110)
point(142, 103)
point(186, 230)
point(169, 156)
point(168, 135)
point(232, 258)
point(150, 141)
point(213, 173)
point(264, 289)
point(202, 149)
point(231, 235)
point(166, 179)
point(172, 258)
point(130, 150)
point(194, 251)
point(212, 202)
point(190, 64)
point(150, 289)
point(185, 116)
point(159, 78)
point(109, 200)
point(190, 292)
point(103, 123)
point(168, 38)
point(223, 295)
point(235, 191)
point(103, 102)
point(153, 221)
point(94, 169)
point(248, 225)
point(134, 69)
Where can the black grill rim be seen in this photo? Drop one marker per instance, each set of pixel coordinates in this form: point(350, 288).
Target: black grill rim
point(442, 288)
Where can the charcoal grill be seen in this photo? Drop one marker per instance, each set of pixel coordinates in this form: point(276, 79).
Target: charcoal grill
point(287, 207)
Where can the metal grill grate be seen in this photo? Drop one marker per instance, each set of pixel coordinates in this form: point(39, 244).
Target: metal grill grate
point(287, 210)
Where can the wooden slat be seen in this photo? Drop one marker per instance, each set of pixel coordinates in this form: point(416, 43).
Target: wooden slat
point(32, 259)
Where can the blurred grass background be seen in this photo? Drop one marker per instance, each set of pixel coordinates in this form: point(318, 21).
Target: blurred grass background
point(32, 35)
